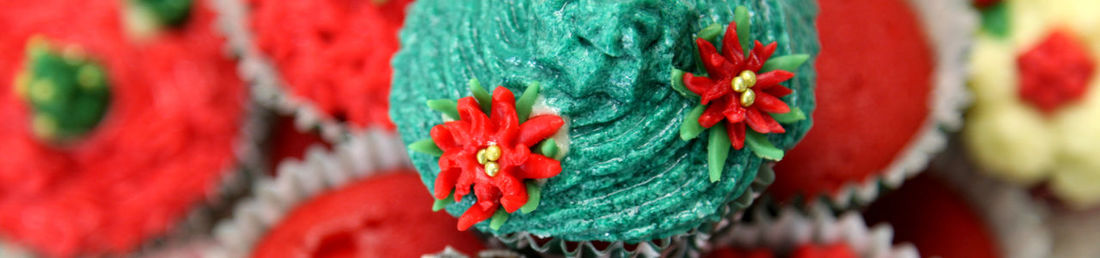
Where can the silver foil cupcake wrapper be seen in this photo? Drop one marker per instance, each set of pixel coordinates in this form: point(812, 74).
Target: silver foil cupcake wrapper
point(686, 244)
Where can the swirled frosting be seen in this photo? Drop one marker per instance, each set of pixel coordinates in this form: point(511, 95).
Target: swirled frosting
point(604, 66)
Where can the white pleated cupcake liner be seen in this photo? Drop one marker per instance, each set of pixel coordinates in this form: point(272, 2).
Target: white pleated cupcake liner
point(816, 224)
point(449, 252)
point(1016, 219)
point(950, 27)
point(1074, 233)
point(368, 153)
point(268, 88)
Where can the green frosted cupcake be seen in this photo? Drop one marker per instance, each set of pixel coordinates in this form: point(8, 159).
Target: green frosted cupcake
point(629, 122)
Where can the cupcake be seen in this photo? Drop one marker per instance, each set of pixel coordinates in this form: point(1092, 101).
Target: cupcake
point(890, 84)
point(328, 66)
point(613, 128)
point(334, 203)
point(814, 233)
point(113, 135)
point(1033, 72)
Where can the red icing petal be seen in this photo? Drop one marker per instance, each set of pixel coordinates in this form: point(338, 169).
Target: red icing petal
point(515, 191)
point(539, 166)
point(760, 53)
point(504, 115)
point(470, 111)
point(731, 45)
point(778, 91)
point(1055, 72)
point(734, 113)
point(449, 136)
point(539, 128)
point(699, 85)
point(771, 79)
point(736, 132)
point(714, 112)
point(711, 59)
point(479, 212)
point(763, 123)
point(445, 181)
point(767, 103)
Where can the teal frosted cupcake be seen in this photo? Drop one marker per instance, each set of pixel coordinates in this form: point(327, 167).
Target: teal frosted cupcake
point(628, 122)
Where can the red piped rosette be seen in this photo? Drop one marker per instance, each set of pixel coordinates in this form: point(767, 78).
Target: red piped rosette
point(814, 232)
point(175, 134)
point(890, 84)
point(329, 67)
point(342, 199)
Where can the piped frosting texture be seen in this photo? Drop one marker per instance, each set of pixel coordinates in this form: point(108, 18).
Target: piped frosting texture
point(604, 67)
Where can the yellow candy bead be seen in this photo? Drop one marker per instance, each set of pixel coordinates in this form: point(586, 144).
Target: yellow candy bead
point(738, 84)
point(481, 159)
point(749, 77)
point(492, 168)
point(492, 153)
point(748, 98)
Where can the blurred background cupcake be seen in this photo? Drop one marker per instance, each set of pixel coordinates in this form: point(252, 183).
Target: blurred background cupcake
point(1033, 70)
point(326, 63)
point(889, 86)
point(122, 118)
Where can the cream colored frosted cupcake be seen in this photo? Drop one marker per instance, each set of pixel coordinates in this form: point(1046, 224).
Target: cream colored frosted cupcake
point(1035, 106)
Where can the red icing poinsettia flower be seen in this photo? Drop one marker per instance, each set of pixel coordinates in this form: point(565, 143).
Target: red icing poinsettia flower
point(492, 153)
point(734, 90)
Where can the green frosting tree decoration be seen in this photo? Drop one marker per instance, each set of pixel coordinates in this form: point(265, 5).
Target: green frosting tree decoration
point(738, 89)
point(492, 143)
point(67, 92)
point(145, 17)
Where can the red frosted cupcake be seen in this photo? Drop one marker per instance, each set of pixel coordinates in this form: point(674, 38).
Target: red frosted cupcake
point(353, 200)
point(368, 218)
point(888, 82)
point(111, 135)
point(815, 234)
point(329, 65)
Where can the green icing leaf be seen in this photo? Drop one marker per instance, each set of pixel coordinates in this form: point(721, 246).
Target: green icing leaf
point(788, 63)
point(710, 32)
point(717, 150)
point(526, 101)
point(534, 192)
point(676, 79)
point(484, 99)
point(498, 219)
point(445, 106)
point(790, 117)
point(426, 146)
point(440, 204)
point(995, 20)
point(744, 31)
point(548, 148)
point(762, 147)
point(691, 128)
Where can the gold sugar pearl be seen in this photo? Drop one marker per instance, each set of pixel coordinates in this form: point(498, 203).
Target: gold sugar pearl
point(749, 77)
point(738, 84)
point(488, 157)
point(481, 159)
point(492, 168)
point(748, 98)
